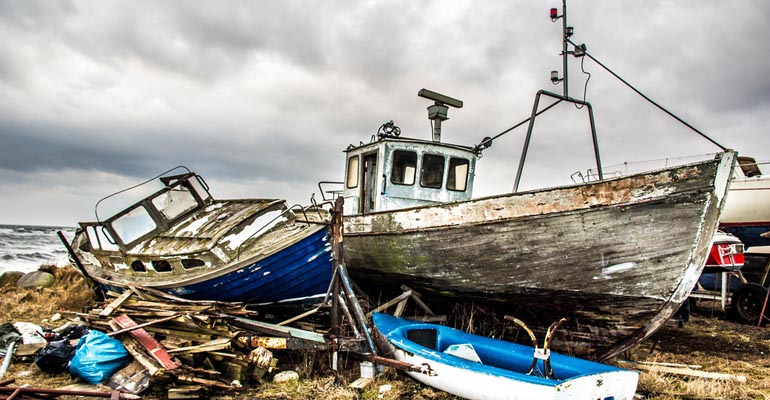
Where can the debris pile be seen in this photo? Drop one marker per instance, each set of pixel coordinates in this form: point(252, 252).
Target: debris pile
point(190, 347)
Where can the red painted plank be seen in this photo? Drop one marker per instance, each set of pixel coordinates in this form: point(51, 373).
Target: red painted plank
point(155, 349)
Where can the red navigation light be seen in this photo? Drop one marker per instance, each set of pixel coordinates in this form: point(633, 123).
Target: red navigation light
point(554, 13)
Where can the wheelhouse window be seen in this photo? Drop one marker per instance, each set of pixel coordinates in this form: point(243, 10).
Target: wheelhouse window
point(404, 167)
point(175, 202)
point(432, 172)
point(98, 238)
point(134, 224)
point(199, 187)
point(457, 178)
point(352, 175)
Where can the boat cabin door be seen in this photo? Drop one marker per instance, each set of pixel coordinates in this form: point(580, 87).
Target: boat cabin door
point(369, 183)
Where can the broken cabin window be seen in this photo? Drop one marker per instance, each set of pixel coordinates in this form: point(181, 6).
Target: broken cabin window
point(189, 263)
point(432, 172)
point(161, 266)
point(352, 177)
point(138, 266)
point(457, 178)
point(98, 238)
point(404, 166)
point(134, 224)
point(175, 202)
point(199, 187)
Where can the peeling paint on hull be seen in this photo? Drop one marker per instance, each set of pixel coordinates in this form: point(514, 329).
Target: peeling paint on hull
point(617, 257)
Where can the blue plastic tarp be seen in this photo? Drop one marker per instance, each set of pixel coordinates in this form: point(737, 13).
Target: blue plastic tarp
point(97, 357)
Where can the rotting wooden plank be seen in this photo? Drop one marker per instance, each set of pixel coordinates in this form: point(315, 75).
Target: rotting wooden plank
point(395, 300)
point(417, 297)
point(200, 337)
point(683, 371)
point(136, 350)
point(214, 345)
point(133, 378)
point(155, 349)
point(207, 382)
point(115, 304)
point(298, 317)
point(139, 326)
point(277, 330)
point(361, 383)
point(189, 392)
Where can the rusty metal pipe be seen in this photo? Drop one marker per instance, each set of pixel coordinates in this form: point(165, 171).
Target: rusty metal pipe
point(65, 392)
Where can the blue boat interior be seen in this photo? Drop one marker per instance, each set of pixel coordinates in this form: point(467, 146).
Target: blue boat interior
point(497, 356)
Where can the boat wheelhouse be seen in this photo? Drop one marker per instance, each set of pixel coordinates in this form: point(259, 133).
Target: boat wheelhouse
point(394, 173)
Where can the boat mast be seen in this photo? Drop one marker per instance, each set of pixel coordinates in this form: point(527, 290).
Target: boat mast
point(565, 39)
point(580, 51)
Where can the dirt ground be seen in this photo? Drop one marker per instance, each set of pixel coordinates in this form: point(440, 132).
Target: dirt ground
point(708, 342)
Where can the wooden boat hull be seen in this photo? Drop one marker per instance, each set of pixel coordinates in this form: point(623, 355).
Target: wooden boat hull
point(301, 271)
point(502, 373)
point(181, 241)
point(617, 257)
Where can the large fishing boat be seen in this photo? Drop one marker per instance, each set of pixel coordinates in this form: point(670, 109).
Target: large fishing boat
point(616, 256)
point(184, 242)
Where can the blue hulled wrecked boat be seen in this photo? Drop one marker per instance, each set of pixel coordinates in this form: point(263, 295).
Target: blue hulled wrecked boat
point(182, 241)
point(477, 367)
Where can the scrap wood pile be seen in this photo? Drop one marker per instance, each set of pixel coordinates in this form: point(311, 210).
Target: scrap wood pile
point(191, 346)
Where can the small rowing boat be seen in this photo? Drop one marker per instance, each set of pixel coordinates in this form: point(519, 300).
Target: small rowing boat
point(478, 367)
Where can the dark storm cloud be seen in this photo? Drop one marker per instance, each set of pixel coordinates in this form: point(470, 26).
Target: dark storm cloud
point(261, 96)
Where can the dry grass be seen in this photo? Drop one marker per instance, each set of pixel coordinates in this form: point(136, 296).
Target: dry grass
point(717, 346)
point(70, 292)
point(707, 340)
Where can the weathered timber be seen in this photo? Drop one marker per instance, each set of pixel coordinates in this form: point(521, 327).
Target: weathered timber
point(133, 378)
point(143, 325)
point(115, 304)
point(361, 383)
point(189, 392)
point(155, 349)
point(277, 343)
point(396, 300)
point(277, 330)
point(617, 257)
point(207, 382)
point(139, 353)
point(683, 371)
point(213, 345)
point(184, 334)
point(417, 297)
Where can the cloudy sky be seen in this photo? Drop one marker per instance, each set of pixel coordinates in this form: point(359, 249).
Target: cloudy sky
point(261, 97)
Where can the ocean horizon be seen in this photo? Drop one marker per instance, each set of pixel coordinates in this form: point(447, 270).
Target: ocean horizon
point(25, 248)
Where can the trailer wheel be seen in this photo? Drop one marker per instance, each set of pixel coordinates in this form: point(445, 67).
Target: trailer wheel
point(748, 301)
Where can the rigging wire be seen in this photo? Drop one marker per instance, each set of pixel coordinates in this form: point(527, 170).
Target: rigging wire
point(652, 101)
point(96, 212)
point(585, 88)
point(487, 141)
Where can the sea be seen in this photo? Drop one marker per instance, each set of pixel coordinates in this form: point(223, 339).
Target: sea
point(25, 248)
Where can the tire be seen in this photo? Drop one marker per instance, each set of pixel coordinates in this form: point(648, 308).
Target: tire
point(747, 302)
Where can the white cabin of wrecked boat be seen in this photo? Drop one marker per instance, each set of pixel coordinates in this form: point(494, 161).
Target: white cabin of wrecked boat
point(392, 172)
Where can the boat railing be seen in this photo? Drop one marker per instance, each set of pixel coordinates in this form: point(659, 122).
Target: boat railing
point(333, 193)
